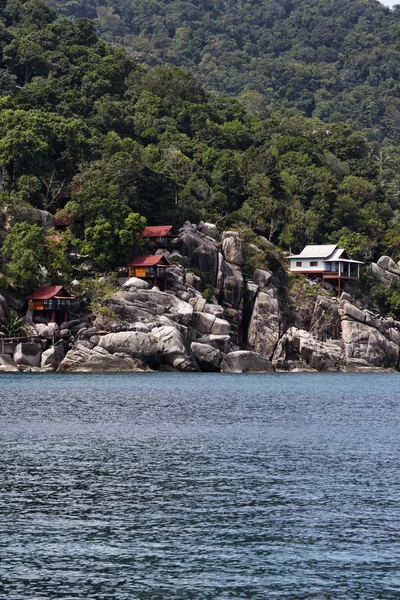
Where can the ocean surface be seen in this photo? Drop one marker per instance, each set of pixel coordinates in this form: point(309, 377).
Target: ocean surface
point(199, 486)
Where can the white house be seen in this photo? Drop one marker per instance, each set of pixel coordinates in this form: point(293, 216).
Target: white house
point(325, 262)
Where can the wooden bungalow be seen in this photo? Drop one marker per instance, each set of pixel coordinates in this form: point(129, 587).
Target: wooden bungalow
point(162, 236)
point(326, 263)
point(152, 269)
point(52, 303)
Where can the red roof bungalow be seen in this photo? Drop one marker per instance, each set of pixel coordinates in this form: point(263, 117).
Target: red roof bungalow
point(51, 303)
point(150, 268)
point(162, 236)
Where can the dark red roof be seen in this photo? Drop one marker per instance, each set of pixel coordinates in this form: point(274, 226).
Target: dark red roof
point(149, 261)
point(49, 291)
point(65, 221)
point(158, 231)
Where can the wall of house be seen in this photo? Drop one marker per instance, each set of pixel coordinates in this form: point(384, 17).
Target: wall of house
point(306, 264)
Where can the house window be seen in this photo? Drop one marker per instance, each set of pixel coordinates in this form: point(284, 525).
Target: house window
point(313, 263)
point(299, 263)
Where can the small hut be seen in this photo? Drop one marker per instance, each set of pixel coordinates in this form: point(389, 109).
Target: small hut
point(152, 269)
point(51, 303)
point(162, 236)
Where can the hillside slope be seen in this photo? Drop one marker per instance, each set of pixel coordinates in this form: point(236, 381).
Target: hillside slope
point(334, 59)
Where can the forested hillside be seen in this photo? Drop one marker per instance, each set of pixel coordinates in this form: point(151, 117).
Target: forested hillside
point(338, 60)
point(85, 130)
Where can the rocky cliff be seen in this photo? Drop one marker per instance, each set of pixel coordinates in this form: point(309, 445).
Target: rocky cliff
point(245, 320)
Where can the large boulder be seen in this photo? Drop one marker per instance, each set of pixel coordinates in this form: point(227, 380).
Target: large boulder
point(86, 360)
point(261, 277)
point(135, 344)
point(135, 282)
point(388, 264)
point(367, 346)
point(7, 365)
point(28, 354)
point(43, 218)
point(264, 327)
point(233, 285)
point(202, 254)
point(173, 349)
point(208, 357)
point(145, 305)
point(53, 356)
point(383, 275)
point(209, 229)
point(232, 247)
point(47, 331)
point(298, 348)
point(244, 361)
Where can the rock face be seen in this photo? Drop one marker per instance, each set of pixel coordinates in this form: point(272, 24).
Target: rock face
point(246, 362)
point(242, 324)
point(232, 247)
point(208, 357)
point(52, 357)
point(28, 354)
point(264, 327)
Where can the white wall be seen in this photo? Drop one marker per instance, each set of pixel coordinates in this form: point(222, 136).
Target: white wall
point(305, 264)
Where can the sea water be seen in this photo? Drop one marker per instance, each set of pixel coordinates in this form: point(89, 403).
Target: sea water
point(199, 486)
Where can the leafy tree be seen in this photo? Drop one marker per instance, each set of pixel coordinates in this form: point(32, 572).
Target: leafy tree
point(26, 251)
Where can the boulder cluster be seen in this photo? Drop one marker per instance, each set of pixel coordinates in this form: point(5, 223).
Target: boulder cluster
point(238, 323)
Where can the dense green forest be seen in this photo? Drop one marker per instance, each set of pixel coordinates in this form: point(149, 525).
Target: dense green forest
point(87, 131)
point(338, 60)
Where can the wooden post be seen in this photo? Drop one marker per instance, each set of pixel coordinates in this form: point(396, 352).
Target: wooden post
point(339, 286)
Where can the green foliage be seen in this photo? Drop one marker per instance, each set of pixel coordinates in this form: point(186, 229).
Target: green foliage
point(208, 293)
point(12, 325)
point(94, 293)
point(86, 131)
point(387, 298)
point(26, 251)
point(336, 60)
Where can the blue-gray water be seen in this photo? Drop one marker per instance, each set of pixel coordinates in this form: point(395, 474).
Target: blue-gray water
point(159, 486)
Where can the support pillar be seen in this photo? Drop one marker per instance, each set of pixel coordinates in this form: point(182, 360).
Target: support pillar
point(339, 286)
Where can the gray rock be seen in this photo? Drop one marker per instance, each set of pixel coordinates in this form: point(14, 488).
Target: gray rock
point(386, 263)
point(208, 357)
point(368, 345)
point(244, 361)
point(135, 344)
point(28, 353)
point(251, 290)
point(203, 255)
point(193, 280)
point(43, 218)
point(173, 349)
point(135, 282)
point(298, 347)
point(7, 365)
point(52, 357)
point(209, 229)
point(233, 285)
point(220, 327)
point(203, 322)
point(264, 327)
point(83, 360)
point(232, 247)
point(47, 331)
point(382, 274)
point(65, 332)
point(214, 309)
point(89, 265)
point(14, 300)
point(262, 278)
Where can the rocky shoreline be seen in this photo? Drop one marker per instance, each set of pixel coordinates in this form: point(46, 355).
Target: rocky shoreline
point(243, 323)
